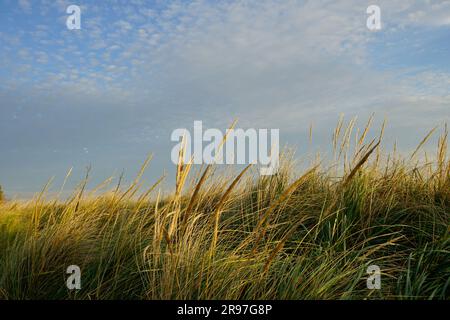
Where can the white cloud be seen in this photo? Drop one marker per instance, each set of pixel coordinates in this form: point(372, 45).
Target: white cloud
point(430, 12)
point(25, 5)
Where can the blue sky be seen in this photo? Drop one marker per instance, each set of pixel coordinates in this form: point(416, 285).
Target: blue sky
point(112, 92)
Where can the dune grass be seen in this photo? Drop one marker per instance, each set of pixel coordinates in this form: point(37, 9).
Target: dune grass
point(307, 235)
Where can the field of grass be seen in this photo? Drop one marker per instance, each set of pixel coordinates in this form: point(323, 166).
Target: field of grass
point(294, 235)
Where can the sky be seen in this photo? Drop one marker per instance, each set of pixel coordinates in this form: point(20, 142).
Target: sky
point(111, 93)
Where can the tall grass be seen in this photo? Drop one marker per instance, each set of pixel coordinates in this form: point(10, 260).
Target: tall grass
point(307, 235)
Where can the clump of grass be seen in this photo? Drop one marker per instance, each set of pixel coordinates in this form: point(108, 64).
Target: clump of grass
point(307, 235)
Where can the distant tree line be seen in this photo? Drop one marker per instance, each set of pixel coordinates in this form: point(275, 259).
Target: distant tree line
point(2, 195)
